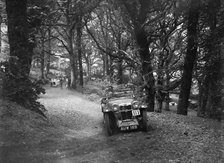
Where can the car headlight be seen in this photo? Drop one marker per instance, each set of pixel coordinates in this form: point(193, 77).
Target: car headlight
point(143, 106)
point(115, 108)
point(135, 106)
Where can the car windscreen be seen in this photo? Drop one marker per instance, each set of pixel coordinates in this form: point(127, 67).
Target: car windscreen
point(121, 93)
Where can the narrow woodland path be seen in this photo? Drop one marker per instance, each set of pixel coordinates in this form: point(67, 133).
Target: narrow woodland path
point(72, 112)
point(76, 136)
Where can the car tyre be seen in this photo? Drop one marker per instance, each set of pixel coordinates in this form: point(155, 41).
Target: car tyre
point(108, 124)
point(144, 121)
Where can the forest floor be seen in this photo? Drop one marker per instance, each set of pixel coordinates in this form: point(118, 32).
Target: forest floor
point(73, 133)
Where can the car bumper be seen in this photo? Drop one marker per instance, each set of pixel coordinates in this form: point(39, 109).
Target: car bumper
point(128, 124)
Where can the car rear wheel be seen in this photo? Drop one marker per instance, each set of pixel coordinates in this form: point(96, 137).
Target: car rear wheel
point(144, 121)
point(108, 124)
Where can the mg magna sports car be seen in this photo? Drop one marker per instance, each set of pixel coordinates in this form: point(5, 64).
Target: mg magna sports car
point(122, 110)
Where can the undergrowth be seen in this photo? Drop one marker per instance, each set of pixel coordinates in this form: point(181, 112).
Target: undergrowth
point(20, 88)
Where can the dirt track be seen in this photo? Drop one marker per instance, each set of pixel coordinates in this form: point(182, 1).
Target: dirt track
point(84, 139)
point(76, 135)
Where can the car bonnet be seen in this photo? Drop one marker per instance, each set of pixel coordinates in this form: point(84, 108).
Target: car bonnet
point(121, 102)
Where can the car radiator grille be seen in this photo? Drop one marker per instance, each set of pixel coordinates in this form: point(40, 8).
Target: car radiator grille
point(126, 115)
point(125, 107)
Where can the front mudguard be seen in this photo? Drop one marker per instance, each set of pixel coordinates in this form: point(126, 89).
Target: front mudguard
point(110, 123)
point(104, 100)
point(144, 120)
point(105, 108)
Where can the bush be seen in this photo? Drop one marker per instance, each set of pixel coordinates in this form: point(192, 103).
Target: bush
point(22, 90)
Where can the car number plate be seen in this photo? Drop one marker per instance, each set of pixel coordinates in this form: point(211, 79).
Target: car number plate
point(129, 128)
point(133, 127)
point(136, 112)
point(124, 128)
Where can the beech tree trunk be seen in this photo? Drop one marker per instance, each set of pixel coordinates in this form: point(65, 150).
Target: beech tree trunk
point(211, 100)
point(49, 52)
point(220, 106)
point(107, 65)
point(0, 31)
point(42, 57)
point(149, 81)
point(88, 65)
point(120, 72)
point(17, 86)
point(104, 65)
point(138, 11)
point(167, 96)
point(88, 71)
point(160, 84)
point(79, 49)
point(73, 60)
point(192, 37)
point(20, 49)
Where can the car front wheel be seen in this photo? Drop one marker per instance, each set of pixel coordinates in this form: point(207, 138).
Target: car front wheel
point(108, 124)
point(144, 121)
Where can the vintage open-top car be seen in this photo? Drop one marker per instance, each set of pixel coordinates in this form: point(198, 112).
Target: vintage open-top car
point(122, 110)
